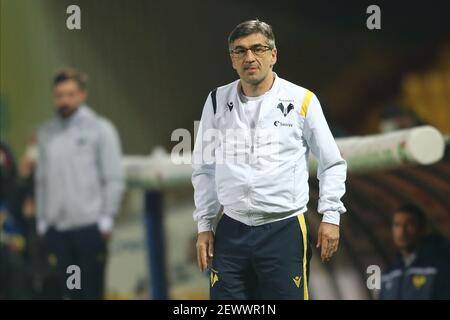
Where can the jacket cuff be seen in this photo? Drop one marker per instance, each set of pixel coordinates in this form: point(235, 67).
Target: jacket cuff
point(332, 217)
point(204, 225)
point(41, 228)
point(105, 224)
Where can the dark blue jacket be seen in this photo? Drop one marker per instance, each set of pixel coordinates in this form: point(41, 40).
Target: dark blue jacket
point(427, 278)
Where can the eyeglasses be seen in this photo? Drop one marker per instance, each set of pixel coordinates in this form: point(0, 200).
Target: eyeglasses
point(258, 50)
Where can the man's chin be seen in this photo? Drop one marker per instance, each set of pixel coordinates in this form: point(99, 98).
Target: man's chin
point(405, 247)
point(65, 112)
point(253, 79)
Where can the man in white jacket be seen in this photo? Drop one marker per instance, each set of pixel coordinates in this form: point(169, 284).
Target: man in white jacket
point(250, 161)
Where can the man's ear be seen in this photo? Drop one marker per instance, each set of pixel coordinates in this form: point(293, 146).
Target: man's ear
point(274, 57)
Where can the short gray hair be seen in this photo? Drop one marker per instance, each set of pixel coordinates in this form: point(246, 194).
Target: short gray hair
point(250, 27)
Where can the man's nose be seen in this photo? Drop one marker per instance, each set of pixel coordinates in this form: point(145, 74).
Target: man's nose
point(249, 56)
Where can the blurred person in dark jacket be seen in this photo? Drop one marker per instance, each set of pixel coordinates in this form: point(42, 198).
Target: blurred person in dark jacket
point(79, 184)
point(23, 272)
point(12, 240)
point(421, 270)
point(41, 279)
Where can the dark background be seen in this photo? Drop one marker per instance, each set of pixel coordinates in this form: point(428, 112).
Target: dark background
point(152, 63)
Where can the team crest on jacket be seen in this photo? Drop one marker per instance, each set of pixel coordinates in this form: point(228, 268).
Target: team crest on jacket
point(419, 280)
point(284, 110)
point(230, 105)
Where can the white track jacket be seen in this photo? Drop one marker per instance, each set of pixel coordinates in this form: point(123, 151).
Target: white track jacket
point(261, 176)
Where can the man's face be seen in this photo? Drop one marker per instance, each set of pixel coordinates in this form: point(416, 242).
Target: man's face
point(68, 96)
point(253, 68)
point(406, 231)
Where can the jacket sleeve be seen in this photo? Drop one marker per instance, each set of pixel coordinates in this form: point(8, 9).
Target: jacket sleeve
point(332, 168)
point(111, 172)
point(40, 185)
point(206, 201)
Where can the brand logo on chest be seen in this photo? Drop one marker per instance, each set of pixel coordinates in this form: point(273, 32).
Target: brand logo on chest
point(285, 110)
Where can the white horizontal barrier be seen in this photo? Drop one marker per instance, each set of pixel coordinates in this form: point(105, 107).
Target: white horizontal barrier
point(421, 145)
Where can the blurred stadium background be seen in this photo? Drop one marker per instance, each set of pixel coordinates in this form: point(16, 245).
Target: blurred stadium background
point(151, 65)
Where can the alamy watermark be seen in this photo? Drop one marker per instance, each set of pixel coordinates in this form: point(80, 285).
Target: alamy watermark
point(73, 281)
point(237, 146)
point(373, 21)
point(73, 21)
point(373, 281)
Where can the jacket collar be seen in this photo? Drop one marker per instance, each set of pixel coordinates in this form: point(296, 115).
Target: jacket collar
point(274, 88)
point(82, 113)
